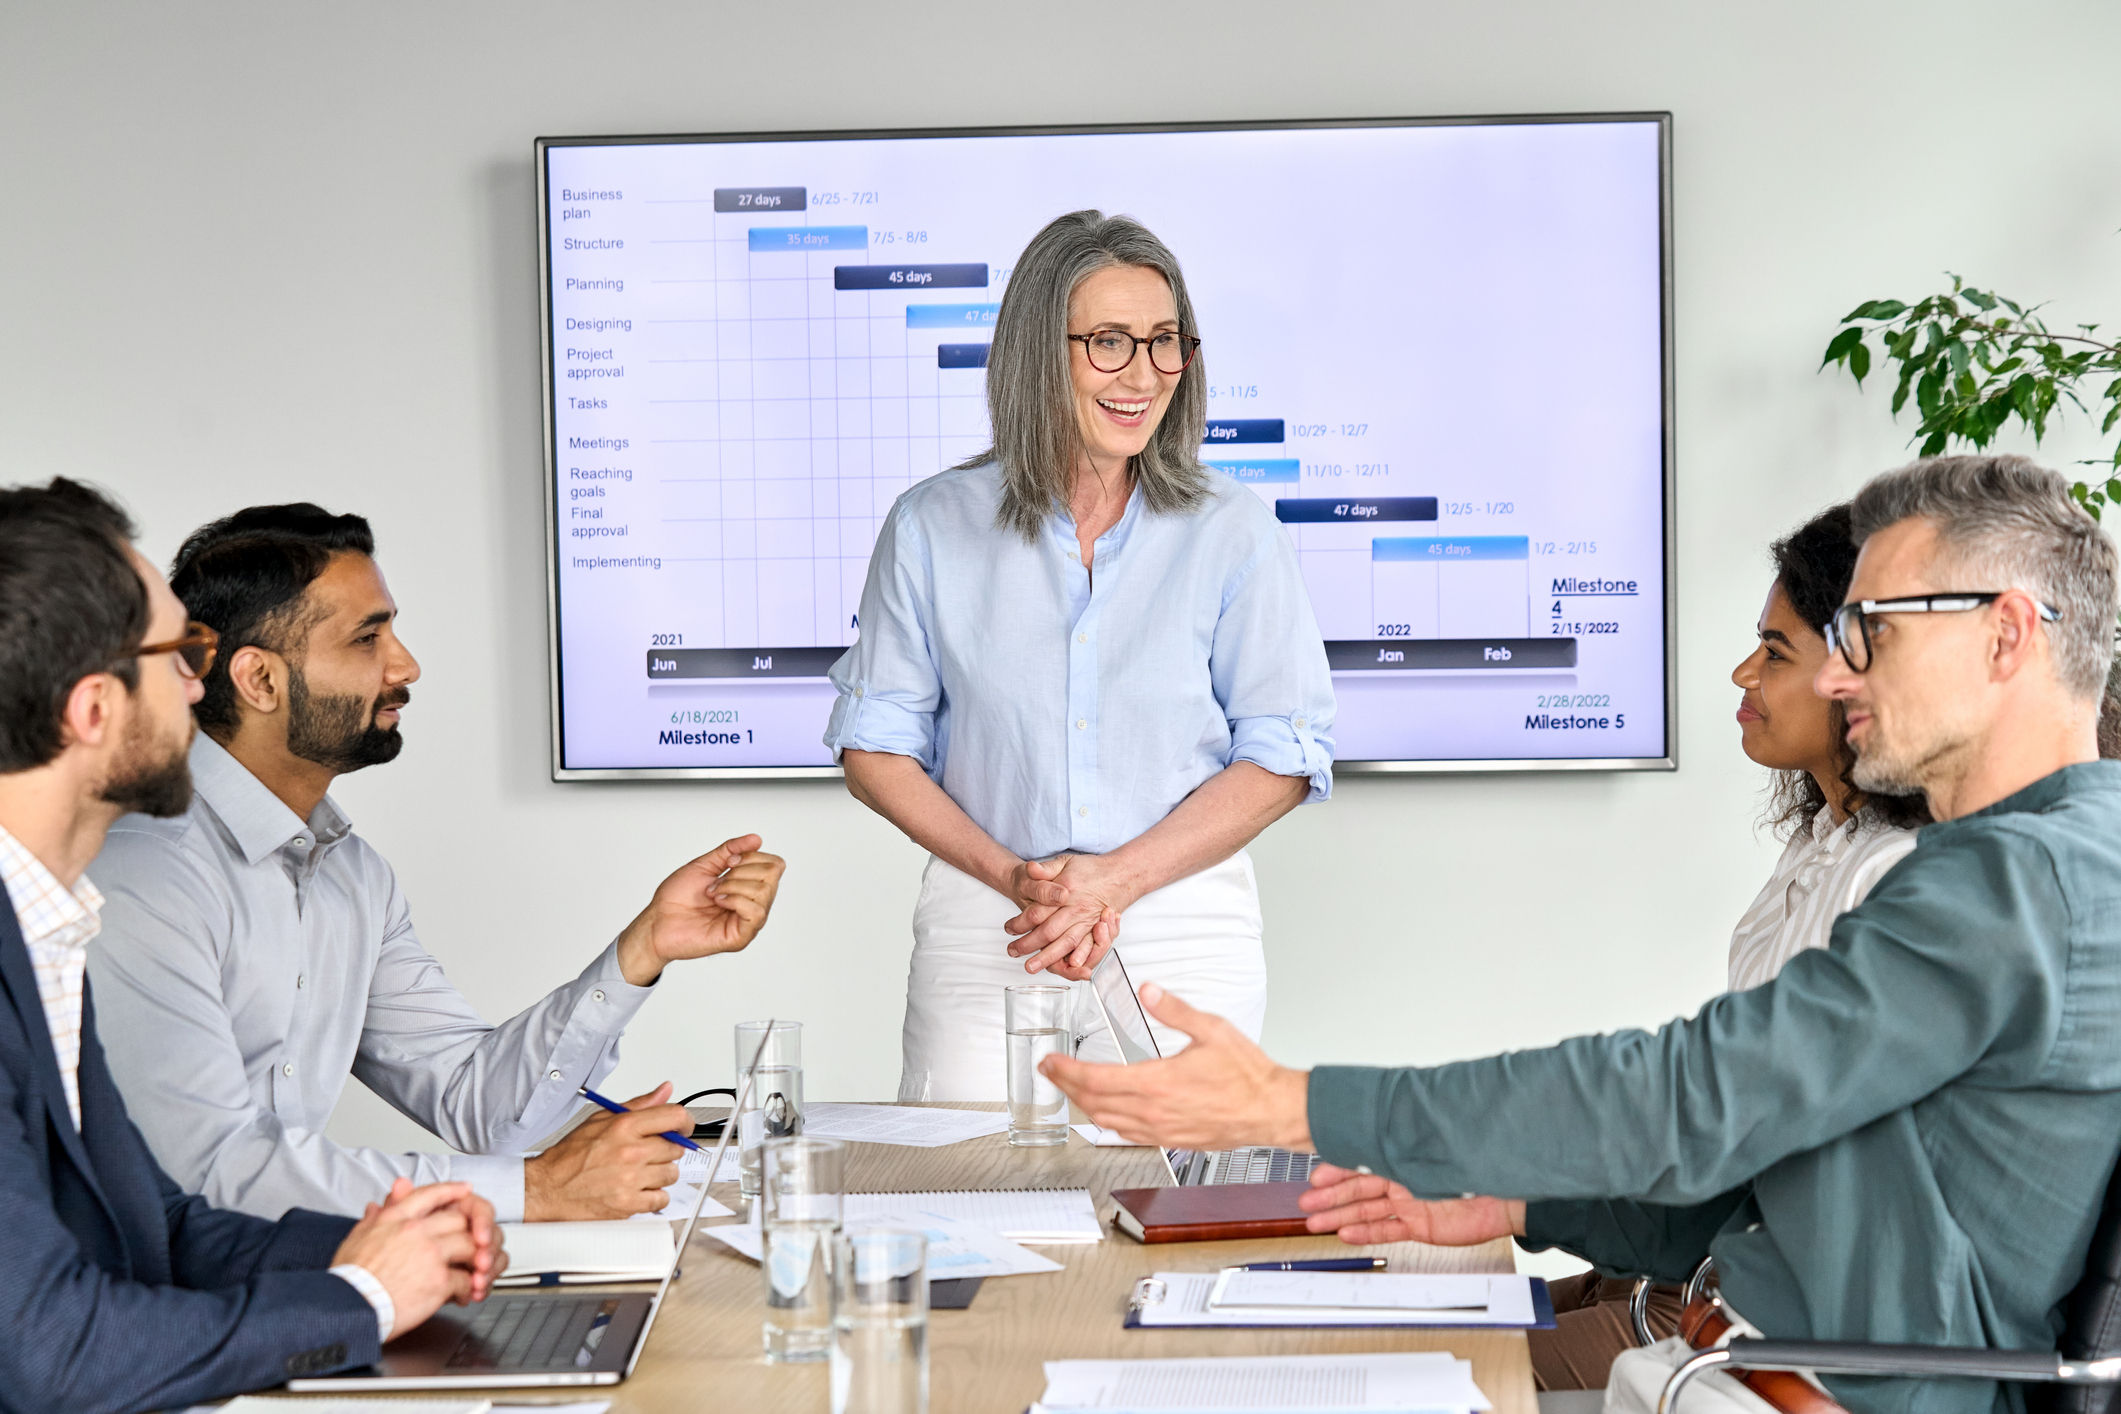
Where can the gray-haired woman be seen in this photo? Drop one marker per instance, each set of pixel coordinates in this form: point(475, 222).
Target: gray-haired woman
point(1088, 674)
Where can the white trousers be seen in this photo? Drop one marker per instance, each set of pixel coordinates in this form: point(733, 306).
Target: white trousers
point(1199, 938)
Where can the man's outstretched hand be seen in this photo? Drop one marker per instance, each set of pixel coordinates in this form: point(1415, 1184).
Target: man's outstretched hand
point(427, 1246)
point(1364, 1208)
point(717, 903)
point(1218, 1093)
point(609, 1166)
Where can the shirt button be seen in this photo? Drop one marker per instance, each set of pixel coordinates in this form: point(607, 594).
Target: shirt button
point(597, 996)
point(1301, 722)
point(299, 842)
point(555, 1075)
point(288, 1069)
point(857, 692)
point(301, 981)
point(1082, 810)
point(1082, 638)
point(1081, 723)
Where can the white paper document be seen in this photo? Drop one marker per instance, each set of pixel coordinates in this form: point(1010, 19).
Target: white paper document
point(1182, 1299)
point(682, 1196)
point(1432, 1380)
point(900, 1124)
point(692, 1167)
point(1104, 1138)
point(587, 1251)
point(1036, 1217)
point(1478, 1299)
point(955, 1249)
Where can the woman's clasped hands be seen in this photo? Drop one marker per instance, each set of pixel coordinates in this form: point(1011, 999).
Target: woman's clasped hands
point(1071, 905)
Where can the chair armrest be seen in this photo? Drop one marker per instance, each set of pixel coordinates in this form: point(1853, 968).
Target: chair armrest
point(1921, 1361)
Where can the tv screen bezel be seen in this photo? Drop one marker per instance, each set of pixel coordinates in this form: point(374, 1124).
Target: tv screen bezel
point(555, 669)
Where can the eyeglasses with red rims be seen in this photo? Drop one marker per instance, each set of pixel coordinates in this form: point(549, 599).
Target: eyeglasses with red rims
point(195, 650)
point(1849, 631)
point(1111, 350)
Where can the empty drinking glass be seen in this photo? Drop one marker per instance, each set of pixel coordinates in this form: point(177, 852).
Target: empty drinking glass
point(880, 1322)
point(799, 1215)
point(772, 1110)
point(1037, 1019)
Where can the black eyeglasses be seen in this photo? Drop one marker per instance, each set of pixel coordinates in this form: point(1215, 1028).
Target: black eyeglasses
point(195, 650)
point(1849, 631)
point(1110, 350)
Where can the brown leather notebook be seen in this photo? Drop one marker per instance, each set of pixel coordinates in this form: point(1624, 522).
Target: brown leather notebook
point(1210, 1212)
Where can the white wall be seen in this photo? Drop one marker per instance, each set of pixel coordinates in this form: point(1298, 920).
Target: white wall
point(259, 252)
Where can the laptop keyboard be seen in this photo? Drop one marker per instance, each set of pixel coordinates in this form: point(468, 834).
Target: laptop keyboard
point(528, 1332)
point(1259, 1165)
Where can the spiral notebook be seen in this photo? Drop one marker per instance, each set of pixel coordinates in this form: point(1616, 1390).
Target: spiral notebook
point(1035, 1217)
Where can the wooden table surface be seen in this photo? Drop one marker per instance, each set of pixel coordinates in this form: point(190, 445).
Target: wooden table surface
point(705, 1349)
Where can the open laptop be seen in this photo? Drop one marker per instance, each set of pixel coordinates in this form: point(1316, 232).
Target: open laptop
point(1129, 1027)
point(530, 1339)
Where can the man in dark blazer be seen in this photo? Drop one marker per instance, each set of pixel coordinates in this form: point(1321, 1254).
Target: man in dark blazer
point(117, 1291)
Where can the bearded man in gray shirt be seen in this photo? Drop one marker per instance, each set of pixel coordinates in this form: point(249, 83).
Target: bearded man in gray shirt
point(255, 951)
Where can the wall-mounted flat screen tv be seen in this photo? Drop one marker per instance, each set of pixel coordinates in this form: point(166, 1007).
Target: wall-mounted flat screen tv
point(1440, 350)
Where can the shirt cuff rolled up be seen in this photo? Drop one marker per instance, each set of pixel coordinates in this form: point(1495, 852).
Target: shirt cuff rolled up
point(865, 723)
point(374, 1293)
point(497, 1178)
point(1287, 746)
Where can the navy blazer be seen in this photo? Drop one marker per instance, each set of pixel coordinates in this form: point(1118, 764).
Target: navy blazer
point(117, 1290)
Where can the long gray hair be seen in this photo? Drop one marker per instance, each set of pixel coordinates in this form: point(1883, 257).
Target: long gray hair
point(1031, 398)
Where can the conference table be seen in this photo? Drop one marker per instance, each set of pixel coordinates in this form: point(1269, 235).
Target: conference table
point(705, 1350)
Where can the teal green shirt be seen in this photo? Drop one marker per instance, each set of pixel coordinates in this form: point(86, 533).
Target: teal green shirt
point(1905, 1137)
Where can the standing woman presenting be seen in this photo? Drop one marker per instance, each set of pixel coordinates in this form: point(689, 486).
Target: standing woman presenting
point(1088, 674)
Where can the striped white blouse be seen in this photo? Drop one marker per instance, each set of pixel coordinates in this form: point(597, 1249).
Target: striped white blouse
point(1826, 871)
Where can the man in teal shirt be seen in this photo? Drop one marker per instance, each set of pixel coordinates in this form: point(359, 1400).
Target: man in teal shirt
point(1906, 1136)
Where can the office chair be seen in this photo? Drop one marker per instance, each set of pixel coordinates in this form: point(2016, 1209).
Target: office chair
point(2086, 1369)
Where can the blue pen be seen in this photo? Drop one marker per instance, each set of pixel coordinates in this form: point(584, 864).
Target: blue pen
point(671, 1134)
point(1335, 1264)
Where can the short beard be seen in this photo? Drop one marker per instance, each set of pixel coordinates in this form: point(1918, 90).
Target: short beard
point(340, 731)
point(1882, 770)
point(146, 782)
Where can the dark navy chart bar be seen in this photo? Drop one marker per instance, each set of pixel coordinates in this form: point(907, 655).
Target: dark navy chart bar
point(909, 277)
point(1344, 510)
point(961, 355)
point(1243, 429)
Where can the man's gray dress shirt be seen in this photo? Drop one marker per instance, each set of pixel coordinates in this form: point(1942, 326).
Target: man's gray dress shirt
point(250, 960)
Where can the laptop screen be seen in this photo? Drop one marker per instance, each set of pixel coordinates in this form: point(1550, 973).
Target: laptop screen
point(1129, 1025)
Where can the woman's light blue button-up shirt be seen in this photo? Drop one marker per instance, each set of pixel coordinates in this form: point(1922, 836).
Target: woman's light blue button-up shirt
point(1069, 711)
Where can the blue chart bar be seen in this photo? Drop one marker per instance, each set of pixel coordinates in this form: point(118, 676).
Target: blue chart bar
point(780, 238)
point(1255, 429)
point(951, 316)
point(1457, 547)
point(961, 355)
point(1272, 469)
point(908, 277)
point(1348, 510)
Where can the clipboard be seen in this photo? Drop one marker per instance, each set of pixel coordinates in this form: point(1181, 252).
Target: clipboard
point(1152, 1292)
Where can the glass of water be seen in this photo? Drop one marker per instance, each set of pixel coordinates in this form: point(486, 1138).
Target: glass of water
point(786, 1047)
point(773, 1109)
point(799, 1216)
point(880, 1322)
point(1037, 1020)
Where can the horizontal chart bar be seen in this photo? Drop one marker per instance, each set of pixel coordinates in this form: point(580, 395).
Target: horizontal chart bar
point(909, 277)
point(1243, 429)
point(1269, 469)
point(1457, 547)
point(1354, 655)
point(761, 199)
point(680, 663)
point(961, 355)
point(1344, 510)
point(951, 316)
point(765, 239)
